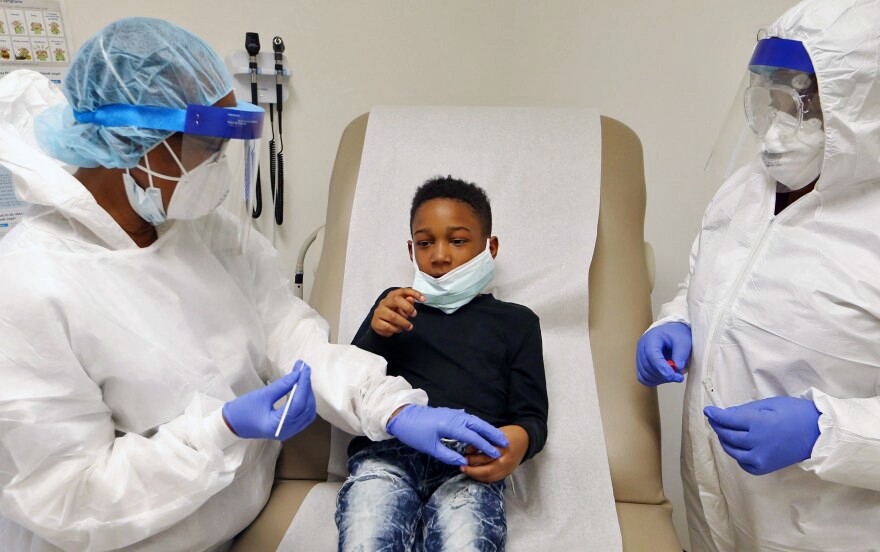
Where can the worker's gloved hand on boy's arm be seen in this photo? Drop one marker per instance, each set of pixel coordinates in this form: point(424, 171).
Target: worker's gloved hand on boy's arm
point(422, 427)
point(488, 470)
point(394, 311)
point(662, 353)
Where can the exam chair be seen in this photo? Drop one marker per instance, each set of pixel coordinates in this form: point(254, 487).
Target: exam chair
point(621, 277)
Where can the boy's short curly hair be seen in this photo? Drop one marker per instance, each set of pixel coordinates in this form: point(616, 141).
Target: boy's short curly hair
point(447, 187)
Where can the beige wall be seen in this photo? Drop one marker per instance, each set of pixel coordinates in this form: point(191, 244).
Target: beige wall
point(667, 69)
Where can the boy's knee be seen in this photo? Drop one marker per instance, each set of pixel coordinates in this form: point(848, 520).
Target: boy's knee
point(463, 496)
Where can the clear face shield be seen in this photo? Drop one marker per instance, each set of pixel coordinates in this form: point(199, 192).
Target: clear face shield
point(224, 144)
point(214, 154)
point(782, 131)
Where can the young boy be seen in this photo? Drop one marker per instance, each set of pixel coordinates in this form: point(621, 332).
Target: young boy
point(468, 351)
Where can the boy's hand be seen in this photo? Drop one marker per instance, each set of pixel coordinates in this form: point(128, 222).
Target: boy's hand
point(488, 470)
point(394, 311)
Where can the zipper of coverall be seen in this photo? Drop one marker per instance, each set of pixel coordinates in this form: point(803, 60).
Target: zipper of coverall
point(708, 385)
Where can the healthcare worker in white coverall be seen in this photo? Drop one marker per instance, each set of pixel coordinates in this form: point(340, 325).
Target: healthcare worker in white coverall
point(777, 325)
point(140, 322)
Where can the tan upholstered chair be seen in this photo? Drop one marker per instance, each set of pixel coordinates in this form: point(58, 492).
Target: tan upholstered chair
point(620, 310)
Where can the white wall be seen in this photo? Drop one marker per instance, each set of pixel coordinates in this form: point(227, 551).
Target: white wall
point(667, 69)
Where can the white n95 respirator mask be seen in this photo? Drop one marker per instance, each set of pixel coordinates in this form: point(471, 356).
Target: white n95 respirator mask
point(197, 193)
point(201, 190)
point(793, 159)
point(457, 287)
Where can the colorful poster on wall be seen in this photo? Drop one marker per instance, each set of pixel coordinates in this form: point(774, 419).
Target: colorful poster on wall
point(32, 36)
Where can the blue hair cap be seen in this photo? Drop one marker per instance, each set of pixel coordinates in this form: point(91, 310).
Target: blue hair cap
point(136, 61)
point(776, 53)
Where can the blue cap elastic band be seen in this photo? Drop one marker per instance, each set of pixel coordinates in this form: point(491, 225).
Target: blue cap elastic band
point(781, 53)
point(243, 122)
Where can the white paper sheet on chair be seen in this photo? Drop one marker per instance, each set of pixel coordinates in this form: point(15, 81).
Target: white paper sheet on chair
point(541, 170)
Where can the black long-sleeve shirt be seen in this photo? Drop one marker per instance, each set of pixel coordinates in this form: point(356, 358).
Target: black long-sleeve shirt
point(485, 358)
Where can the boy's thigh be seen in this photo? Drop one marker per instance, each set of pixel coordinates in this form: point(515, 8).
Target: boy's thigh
point(378, 506)
point(465, 514)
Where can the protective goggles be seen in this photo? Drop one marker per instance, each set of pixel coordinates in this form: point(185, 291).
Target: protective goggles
point(202, 133)
point(780, 105)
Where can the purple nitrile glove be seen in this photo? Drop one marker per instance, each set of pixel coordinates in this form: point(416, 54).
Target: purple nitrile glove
point(767, 435)
point(659, 346)
point(253, 415)
point(422, 427)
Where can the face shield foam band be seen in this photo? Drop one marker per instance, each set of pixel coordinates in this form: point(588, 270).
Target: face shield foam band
point(242, 122)
point(775, 53)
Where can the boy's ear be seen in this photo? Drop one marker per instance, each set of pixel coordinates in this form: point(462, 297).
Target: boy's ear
point(409, 248)
point(493, 246)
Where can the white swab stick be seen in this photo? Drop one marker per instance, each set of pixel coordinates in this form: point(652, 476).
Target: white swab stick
point(286, 408)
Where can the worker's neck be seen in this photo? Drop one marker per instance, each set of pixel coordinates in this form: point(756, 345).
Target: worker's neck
point(785, 199)
point(108, 189)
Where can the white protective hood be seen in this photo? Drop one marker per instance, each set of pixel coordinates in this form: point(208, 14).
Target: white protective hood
point(789, 305)
point(842, 38)
point(40, 180)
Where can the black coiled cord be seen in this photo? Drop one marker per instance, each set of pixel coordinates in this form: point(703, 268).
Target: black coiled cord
point(279, 198)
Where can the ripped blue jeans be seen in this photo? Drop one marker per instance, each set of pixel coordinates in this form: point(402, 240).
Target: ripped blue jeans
point(400, 500)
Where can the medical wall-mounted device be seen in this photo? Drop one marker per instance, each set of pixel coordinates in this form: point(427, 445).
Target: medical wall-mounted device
point(237, 62)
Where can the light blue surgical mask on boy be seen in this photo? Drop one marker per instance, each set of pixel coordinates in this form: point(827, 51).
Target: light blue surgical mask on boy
point(457, 287)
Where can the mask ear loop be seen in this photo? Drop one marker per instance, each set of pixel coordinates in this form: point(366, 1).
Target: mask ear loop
point(148, 170)
point(414, 263)
point(151, 173)
point(183, 171)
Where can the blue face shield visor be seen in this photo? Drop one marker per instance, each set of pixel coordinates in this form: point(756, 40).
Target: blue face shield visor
point(242, 122)
point(780, 53)
point(206, 132)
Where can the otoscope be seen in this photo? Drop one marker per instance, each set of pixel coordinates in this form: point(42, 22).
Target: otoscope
point(252, 45)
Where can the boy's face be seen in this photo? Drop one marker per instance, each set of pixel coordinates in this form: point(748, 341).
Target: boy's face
point(446, 234)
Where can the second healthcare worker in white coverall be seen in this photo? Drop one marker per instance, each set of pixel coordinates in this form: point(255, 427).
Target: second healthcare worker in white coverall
point(778, 323)
point(139, 322)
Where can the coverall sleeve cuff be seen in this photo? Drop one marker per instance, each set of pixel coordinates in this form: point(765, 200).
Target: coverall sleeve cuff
point(416, 396)
point(848, 448)
point(667, 320)
point(824, 444)
point(218, 432)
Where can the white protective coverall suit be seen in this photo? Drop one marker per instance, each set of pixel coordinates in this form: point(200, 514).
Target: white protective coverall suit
point(789, 305)
point(115, 362)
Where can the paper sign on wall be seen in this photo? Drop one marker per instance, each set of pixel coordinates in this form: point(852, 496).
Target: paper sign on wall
point(33, 36)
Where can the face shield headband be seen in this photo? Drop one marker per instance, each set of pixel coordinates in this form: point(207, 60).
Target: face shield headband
point(242, 122)
point(774, 53)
